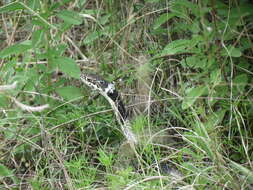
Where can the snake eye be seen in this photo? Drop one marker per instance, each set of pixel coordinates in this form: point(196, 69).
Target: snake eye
point(89, 79)
point(101, 83)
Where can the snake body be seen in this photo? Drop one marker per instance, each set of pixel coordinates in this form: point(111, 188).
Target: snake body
point(108, 90)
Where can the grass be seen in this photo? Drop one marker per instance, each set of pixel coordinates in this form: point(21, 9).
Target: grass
point(182, 67)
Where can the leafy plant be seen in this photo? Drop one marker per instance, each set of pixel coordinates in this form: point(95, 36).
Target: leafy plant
point(199, 57)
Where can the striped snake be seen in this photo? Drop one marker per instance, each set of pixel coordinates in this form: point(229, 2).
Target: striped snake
point(108, 90)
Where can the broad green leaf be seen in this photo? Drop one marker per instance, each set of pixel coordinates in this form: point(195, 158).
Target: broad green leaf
point(70, 17)
point(68, 66)
point(246, 8)
point(56, 5)
point(231, 51)
point(235, 52)
point(56, 51)
point(92, 11)
point(187, 4)
point(239, 13)
point(195, 62)
point(177, 46)
point(61, 48)
point(94, 35)
point(162, 19)
point(181, 46)
point(103, 20)
point(37, 37)
point(192, 95)
point(221, 91)
point(214, 119)
point(15, 49)
point(69, 92)
point(104, 158)
point(11, 7)
point(34, 4)
point(245, 44)
point(42, 23)
point(240, 82)
point(5, 172)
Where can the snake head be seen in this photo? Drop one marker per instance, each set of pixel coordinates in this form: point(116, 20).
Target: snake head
point(97, 83)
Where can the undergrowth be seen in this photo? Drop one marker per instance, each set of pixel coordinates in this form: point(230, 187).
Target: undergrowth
point(183, 68)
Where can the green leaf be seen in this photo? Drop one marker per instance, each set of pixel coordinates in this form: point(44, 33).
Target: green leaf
point(191, 96)
point(231, 51)
point(176, 47)
point(39, 22)
point(15, 49)
point(195, 62)
point(11, 7)
point(104, 158)
point(5, 172)
point(235, 52)
point(69, 92)
point(68, 66)
point(181, 46)
point(162, 19)
point(70, 17)
point(4, 102)
point(214, 119)
point(93, 36)
point(187, 4)
point(37, 37)
point(245, 44)
point(104, 19)
point(34, 4)
point(241, 81)
point(56, 5)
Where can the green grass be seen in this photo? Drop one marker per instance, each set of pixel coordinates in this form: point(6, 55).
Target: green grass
point(185, 74)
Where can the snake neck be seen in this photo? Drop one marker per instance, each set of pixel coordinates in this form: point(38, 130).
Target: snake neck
point(122, 116)
point(108, 90)
point(114, 95)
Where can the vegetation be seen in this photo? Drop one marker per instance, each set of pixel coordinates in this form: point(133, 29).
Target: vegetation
point(184, 69)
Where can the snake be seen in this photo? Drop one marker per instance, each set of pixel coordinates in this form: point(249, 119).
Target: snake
point(109, 92)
